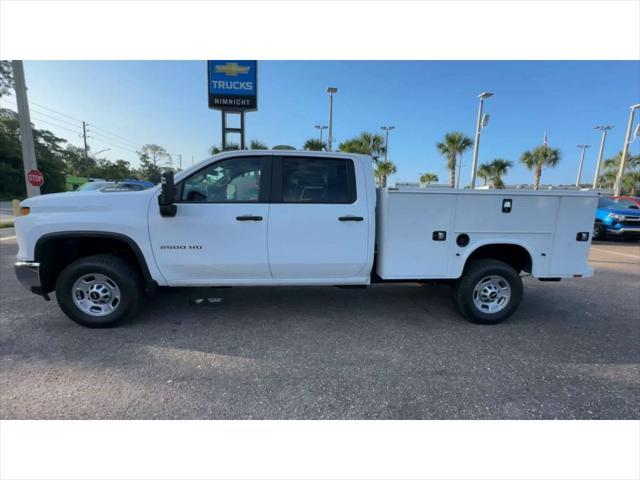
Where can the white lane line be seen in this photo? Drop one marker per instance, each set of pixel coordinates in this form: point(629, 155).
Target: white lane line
point(615, 253)
point(7, 238)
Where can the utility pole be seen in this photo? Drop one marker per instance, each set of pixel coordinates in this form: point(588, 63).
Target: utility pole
point(86, 149)
point(482, 122)
point(582, 148)
point(331, 91)
point(180, 161)
point(604, 128)
point(26, 135)
point(386, 140)
point(625, 150)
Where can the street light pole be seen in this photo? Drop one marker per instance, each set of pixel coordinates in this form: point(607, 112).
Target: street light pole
point(582, 148)
point(331, 91)
point(387, 129)
point(623, 160)
point(604, 129)
point(321, 128)
point(476, 145)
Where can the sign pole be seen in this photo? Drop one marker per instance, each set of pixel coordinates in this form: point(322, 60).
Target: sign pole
point(26, 135)
point(242, 130)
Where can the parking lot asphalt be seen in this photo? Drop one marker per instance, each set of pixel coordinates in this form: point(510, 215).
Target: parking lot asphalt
point(387, 352)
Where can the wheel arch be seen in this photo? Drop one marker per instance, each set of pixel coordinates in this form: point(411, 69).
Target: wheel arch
point(515, 254)
point(56, 250)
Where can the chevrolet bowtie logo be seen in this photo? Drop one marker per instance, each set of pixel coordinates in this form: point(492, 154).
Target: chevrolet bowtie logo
point(231, 69)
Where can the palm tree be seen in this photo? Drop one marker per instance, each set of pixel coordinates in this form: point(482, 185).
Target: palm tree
point(257, 145)
point(366, 143)
point(454, 144)
point(215, 149)
point(629, 180)
point(383, 170)
point(314, 144)
point(484, 172)
point(631, 183)
point(428, 178)
point(540, 157)
point(497, 169)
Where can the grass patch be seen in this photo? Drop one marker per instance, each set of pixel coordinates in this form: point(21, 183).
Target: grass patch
point(6, 224)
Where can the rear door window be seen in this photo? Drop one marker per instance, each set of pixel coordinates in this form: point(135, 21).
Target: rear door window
point(316, 180)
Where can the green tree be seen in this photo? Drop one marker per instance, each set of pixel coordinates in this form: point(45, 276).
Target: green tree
point(366, 143)
point(6, 77)
point(537, 159)
point(117, 170)
point(484, 172)
point(216, 149)
point(257, 145)
point(428, 178)
point(76, 164)
point(314, 144)
point(384, 169)
point(153, 159)
point(48, 149)
point(629, 180)
point(283, 147)
point(453, 145)
point(497, 169)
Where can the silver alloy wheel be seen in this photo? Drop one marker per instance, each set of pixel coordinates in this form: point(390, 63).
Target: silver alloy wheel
point(96, 294)
point(491, 294)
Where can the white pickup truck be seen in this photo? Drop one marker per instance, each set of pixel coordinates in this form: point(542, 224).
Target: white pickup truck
point(260, 218)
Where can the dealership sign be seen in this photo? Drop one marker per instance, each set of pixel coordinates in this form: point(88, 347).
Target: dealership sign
point(233, 84)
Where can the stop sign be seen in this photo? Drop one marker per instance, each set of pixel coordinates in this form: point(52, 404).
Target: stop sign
point(35, 178)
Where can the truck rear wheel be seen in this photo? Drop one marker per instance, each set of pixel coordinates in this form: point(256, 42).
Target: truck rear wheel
point(488, 292)
point(99, 291)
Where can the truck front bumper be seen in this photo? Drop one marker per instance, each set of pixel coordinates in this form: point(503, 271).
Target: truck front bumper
point(28, 274)
point(624, 231)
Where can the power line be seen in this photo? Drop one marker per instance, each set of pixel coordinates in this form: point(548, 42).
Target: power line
point(105, 139)
point(40, 120)
point(104, 132)
point(111, 134)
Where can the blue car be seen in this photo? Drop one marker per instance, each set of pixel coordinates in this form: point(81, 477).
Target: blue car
point(615, 220)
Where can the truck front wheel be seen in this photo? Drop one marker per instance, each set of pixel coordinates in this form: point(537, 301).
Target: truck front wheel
point(488, 292)
point(98, 291)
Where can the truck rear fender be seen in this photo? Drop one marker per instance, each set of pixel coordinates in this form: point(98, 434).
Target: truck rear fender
point(514, 254)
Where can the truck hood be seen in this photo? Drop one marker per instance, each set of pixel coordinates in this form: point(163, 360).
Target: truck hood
point(87, 201)
point(628, 212)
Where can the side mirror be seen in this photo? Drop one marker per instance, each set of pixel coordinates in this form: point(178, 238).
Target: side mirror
point(166, 199)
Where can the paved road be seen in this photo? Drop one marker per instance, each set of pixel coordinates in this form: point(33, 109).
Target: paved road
point(396, 352)
point(6, 211)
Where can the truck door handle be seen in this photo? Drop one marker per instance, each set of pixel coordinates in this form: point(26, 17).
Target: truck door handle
point(245, 218)
point(350, 218)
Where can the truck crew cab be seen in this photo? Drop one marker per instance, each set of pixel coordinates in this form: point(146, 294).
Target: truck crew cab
point(261, 218)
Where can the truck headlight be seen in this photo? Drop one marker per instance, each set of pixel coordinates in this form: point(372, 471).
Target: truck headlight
point(616, 217)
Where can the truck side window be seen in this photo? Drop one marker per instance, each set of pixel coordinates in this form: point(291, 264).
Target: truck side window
point(233, 180)
point(318, 180)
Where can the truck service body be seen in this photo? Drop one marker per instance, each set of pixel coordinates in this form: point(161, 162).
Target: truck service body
point(260, 218)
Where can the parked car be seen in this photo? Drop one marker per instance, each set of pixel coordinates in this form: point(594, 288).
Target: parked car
point(627, 202)
point(268, 218)
point(123, 186)
point(614, 219)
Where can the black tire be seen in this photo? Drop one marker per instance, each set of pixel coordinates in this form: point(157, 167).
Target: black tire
point(478, 271)
point(599, 232)
point(125, 277)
